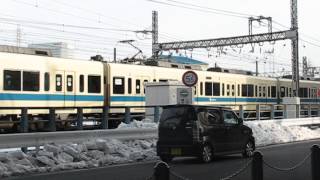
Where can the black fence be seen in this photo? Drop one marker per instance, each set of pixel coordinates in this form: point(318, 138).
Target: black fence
point(162, 170)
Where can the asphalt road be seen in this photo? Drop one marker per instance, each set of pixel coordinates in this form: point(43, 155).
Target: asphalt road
point(284, 156)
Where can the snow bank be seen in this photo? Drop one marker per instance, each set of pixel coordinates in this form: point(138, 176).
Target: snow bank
point(97, 152)
point(89, 154)
point(267, 133)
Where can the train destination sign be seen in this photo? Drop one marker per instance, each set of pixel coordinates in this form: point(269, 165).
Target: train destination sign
point(190, 78)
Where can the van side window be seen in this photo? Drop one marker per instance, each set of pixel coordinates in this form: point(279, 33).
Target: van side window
point(138, 86)
point(94, 84)
point(58, 82)
point(31, 81)
point(46, 81)
point(81, 83)
point(229, 117)
point(214, 116)
point(118, 85)
point(12, 80)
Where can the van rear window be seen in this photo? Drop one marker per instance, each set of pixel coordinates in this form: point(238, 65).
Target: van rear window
point(176, 116)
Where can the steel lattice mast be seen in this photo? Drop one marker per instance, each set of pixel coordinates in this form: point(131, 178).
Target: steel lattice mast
point(239, 40)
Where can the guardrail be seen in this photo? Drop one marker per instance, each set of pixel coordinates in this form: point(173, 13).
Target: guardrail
point(104, 117)
point(41, 138)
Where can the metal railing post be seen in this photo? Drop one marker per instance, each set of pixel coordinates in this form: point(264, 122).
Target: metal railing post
point(127, 117)
point(79, 118)
point(161, 171)
point(285, 113)
point(105, 117)
point(241, 112)
point(272, 113)
point(309, 111)
point(156, 114)
point(257, 166)
point(24, 120)
point(315, 162)
point(52, 119)
point(298, 111)
point(258, 112)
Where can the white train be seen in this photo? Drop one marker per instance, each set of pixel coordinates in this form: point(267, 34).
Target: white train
point(40, 81)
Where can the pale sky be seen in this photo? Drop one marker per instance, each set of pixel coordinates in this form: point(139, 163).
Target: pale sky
point(41, 21)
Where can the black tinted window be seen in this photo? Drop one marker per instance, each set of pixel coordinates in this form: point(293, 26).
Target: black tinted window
point(12, 80)
point(118, 85)
point(58, 82)
point(229, 117)
point(81, 83)
point(176, 116)
point(69, 83)
point(30, 81)
point(46, 81)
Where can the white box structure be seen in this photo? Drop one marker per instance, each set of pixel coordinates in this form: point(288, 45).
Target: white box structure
point(292, 109)
point(167, 93)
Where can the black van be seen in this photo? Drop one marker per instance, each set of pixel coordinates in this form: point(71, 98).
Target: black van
point(202, 131)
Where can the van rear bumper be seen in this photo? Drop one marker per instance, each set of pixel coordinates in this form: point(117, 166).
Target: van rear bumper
point(179, 150)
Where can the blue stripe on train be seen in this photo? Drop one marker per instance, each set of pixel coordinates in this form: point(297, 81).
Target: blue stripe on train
point(49, 97)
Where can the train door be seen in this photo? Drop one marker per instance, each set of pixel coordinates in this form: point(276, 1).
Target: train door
point(230, 92)
point(59, 89)
point(69, 93)
point(264, 93)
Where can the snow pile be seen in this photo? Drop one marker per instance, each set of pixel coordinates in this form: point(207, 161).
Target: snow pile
point(146, 123)
point(89, 154)
point(267, 133)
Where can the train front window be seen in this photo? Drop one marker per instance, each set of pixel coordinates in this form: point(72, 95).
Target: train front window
point(118, 85)
point(12, 80)
point(94, 84)
point(31, 81)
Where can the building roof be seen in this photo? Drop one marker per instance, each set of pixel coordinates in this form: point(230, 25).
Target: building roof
point(182, 60)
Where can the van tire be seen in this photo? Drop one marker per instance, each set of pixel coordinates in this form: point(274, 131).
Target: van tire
point(206, 154)
point(166, 158)
point(248, 149)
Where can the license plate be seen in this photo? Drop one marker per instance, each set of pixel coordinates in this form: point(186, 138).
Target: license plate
point(176, 151)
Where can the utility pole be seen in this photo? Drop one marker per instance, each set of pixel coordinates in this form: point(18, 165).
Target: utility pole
point(295, 49)
point(154, 32)
point(257, 68)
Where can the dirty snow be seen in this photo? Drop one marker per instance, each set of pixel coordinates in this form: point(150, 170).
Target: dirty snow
point(97, 152)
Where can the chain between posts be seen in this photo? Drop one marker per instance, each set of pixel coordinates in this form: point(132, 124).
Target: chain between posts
point(238, 172)
point(288, 169)
point(178, 176)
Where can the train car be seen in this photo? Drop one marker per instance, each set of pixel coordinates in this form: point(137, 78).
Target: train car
point(40, 81)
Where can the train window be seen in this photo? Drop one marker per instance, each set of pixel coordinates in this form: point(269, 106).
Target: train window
point(12, 80)
point(144, 86)
point(269, 91)
point(118, 85)
point(129, 85)
point(222, 89)
point(81, 83)
point(282, 91)
point(260, 92)
point(201, 88)
point(244, 90)
point(264, 91)
point(273, 91)
point(290, 92)
point(256, 91)
point(31, 81)
point(69, 83)
point(138, 86)
point(216, 89)
point(94, 84)
point(238, 89)
point(232, 90)
point(228, 90)
point(208, 88)
point(58, 82)
point(163, 80)
point(250, 90)
point(46, 81)
point(154, 80)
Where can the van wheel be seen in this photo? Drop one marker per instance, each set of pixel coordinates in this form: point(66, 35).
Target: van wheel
point(206, 154)
point(249, 149)
point(166, 158)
